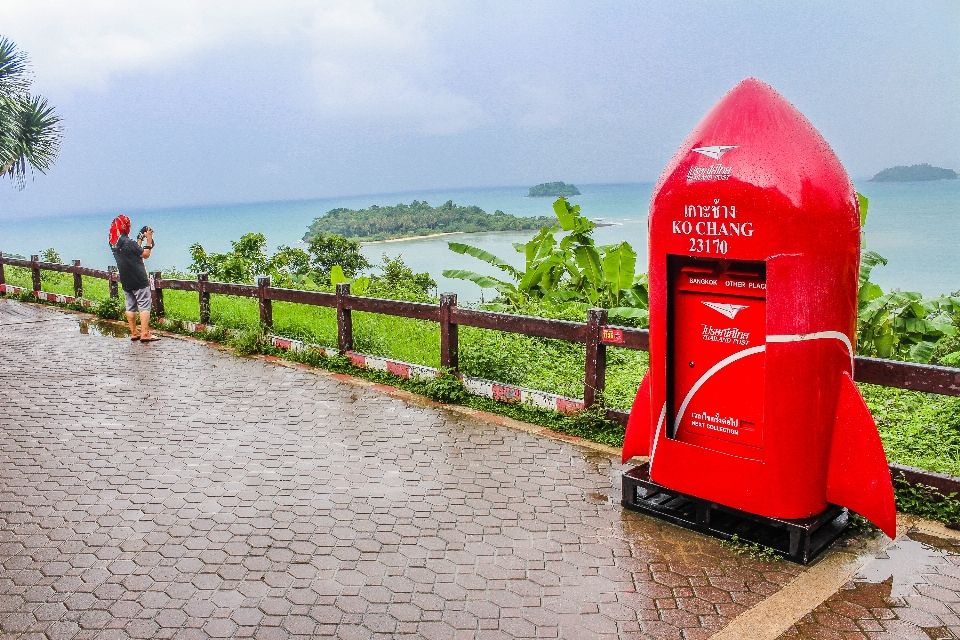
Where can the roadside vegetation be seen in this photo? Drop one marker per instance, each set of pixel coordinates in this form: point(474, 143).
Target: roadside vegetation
point(917, 429)
point(568, 276)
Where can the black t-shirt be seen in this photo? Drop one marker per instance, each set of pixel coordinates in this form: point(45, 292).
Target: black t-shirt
point(133, 273)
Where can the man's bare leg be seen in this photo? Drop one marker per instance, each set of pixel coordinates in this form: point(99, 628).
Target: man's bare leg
point(144, 324)
point(132, 321)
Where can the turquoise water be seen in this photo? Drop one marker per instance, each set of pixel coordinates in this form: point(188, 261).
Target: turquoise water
point(915, 225)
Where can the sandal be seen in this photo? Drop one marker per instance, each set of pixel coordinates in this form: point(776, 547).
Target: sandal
point(150, 339)
point(134, 338)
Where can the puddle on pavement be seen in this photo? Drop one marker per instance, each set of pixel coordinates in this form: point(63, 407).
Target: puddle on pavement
point(102, 328)
point(601, 498)
point(898, 592)
point(906, 562)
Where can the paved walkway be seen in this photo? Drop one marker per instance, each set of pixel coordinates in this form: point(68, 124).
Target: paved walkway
point(173, 490)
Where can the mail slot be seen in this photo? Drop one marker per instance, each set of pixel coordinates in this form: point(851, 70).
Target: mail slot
point(719, 316)
point(754, 248)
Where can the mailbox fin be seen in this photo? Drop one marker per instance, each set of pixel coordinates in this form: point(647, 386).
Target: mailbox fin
point(636, 440)
point(858, 476)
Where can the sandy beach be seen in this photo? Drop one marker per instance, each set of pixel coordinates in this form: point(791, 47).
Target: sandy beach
point(432, 235)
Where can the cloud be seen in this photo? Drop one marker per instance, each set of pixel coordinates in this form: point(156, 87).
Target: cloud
point(368, 61)
point(77, 45)
point(375, 64)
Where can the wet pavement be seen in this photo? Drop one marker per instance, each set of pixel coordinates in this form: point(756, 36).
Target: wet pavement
point(911, 590)
point(174, 490)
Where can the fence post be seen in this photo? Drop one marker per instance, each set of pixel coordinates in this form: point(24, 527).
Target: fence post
point(36, 272)
point(77, 282)
point(3, 278)
point(157, 293)
point(596, 369)
point(266, 304)
point(344, 319)
point(113, 283)
point(202, 279)
point(449, 335)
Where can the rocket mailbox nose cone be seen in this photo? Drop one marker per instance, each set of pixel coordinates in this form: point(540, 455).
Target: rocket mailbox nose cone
point(763, 141)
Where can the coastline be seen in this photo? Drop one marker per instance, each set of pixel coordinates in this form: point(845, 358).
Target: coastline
point(432, 235)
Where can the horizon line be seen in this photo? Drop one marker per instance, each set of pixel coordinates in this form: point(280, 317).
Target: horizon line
point(113, 210)
point(228, 203)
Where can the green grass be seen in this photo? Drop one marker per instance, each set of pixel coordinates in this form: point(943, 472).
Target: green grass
point(52, 282)
point(548, 365)
point(917, 429)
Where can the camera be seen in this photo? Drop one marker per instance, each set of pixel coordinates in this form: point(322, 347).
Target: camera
point(143, 233)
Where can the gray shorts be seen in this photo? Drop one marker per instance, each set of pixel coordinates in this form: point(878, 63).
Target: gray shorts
point(138, 300)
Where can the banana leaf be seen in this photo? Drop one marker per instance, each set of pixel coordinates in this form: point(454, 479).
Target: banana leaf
point(337, 276)
point(533, 276)
point(618, 268)
point(489, 258)
point(485, 282)
point(868, 260)
point(589, 262)
point(628, 312)
point(636, 297)
point(922, 352)
point(868, 291)
point(566, 213)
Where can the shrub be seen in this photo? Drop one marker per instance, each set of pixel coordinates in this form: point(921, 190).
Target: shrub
point(926, 501)
point(446, 388)
point(251, 341)
point(111, 309)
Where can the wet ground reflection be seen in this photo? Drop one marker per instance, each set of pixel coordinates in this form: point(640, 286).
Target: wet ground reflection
point(911, 590)
point(96, 327)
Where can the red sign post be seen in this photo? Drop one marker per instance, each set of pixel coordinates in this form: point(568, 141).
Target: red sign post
point(749, 402)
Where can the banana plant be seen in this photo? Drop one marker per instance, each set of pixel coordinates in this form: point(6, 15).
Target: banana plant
point(573, 271)
point(898, 324)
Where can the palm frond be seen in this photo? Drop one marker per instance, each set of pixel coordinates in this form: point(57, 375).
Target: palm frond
point(14, 76)
point(34, 142)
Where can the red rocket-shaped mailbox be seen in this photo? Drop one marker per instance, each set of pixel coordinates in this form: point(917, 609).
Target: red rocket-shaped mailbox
point(754, 247)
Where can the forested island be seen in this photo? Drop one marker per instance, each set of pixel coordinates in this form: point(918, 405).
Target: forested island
point(914, 173)
point(417, 219)
point(553, 190)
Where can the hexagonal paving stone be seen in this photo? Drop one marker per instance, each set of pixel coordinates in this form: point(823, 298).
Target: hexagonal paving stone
point(220, 628)
point(254, 499)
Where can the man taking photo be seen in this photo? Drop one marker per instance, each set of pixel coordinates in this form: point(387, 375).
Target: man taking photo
point(133, 274)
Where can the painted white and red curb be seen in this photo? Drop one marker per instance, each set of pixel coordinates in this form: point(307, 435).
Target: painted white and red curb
point(477, 386)
point(43, 295)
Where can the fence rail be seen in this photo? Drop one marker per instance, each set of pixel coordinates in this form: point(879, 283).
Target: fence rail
point(596, 334)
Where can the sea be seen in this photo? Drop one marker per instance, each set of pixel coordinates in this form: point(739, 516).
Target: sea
point(915, 225)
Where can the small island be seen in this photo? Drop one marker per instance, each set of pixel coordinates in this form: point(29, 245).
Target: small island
point(553, 190)
point(416, 220)
point(915, 173)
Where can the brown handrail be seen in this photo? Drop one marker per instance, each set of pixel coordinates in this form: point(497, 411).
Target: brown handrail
point(596, 335)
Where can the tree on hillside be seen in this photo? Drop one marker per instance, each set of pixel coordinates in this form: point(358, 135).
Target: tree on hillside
point(30, 131)
point(329, 249)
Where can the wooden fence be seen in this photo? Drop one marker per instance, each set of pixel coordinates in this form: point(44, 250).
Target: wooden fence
point(596, 334)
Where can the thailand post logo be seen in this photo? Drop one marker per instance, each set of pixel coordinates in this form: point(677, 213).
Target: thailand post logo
point(714, 152)
point(714, 172)
point(729, 310)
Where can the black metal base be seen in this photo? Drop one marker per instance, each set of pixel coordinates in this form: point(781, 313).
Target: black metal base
point(799, 540)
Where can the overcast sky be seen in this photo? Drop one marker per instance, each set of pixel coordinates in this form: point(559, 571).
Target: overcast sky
point(170, 103)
